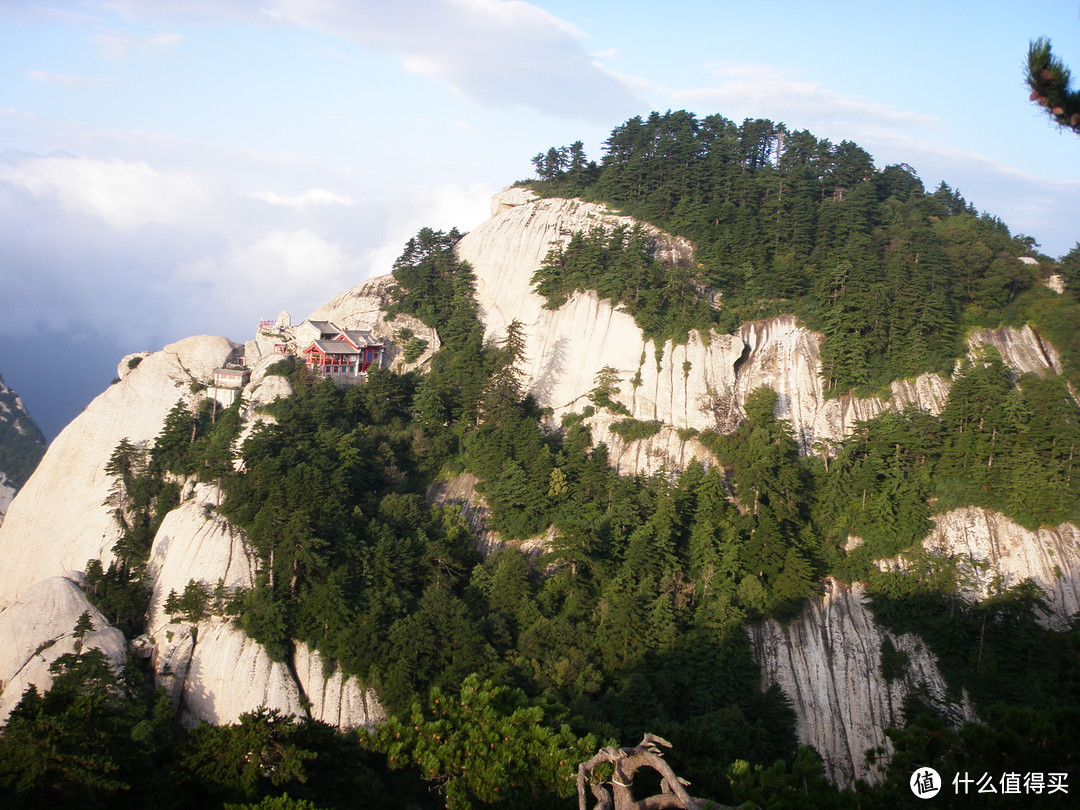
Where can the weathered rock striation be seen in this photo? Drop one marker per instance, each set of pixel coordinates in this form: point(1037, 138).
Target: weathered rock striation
point(1021, 349)
point(828, 662)
point(1005, 553)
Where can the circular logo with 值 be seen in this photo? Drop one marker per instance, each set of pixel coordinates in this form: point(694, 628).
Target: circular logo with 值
point(925, 783)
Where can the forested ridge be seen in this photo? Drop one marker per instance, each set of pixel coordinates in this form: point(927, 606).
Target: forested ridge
point(22, 443)
point(892, 274)
point(501, 674)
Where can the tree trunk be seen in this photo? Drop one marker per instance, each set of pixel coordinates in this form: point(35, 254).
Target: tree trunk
point(616, 794)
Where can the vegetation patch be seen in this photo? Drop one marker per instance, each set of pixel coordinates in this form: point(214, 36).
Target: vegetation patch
point(414, 348)
point(632, 430)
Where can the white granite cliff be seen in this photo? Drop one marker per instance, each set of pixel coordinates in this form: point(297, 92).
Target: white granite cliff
point(702, 384)
point(827, 661)
point(59, 521)
point(38, 628)
point(1009, 553)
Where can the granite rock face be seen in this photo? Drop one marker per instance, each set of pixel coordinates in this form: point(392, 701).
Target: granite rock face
point(59, 521)
point(363, 307)
point(700, 385)
point(38, 628)
point(212, 670)
point(1009, 553)
point(1021, 349)
point(828, 662)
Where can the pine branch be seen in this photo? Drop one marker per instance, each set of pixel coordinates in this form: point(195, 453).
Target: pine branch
point(1048, 79)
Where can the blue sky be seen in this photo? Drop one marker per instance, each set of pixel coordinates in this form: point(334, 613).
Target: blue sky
point(179, 167)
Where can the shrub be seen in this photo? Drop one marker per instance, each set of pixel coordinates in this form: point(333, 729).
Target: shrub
point(632, 430)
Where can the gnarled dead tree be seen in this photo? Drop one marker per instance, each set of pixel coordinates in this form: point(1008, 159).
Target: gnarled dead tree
point(616, 793)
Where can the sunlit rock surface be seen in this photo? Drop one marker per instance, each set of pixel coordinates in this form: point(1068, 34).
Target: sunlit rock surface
point(1050, 557)
point(38, 628)
point(59, 519)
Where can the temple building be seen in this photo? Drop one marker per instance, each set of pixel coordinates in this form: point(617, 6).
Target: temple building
point(343, 354)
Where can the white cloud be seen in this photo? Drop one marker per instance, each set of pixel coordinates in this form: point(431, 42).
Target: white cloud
point(123, 44)
point(69, 81)
point(124, 194)
point(315, 196)
point(493, 52)
point(767, 91)
point(146, 251)
point(295, 269)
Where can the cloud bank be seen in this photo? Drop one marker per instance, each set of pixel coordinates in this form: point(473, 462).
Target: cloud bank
point(774, 93)
point(103, 257)
point(499, 53)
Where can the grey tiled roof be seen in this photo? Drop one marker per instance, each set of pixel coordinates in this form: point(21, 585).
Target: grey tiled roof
point(333, 347)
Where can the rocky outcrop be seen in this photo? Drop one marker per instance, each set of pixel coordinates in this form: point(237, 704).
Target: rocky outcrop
point(210, 668)
point(38, 628)
point(333, 699)
point(828, 662)
point(261, 391)
point(1021, 349)
point(566, 348)
point(1006, 553)
point(194, 543)
point(460, 491)
point(215, 673)
point(59, 520)
point(701, 384)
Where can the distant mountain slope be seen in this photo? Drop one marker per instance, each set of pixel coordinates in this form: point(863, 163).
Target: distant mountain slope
point(22, 444)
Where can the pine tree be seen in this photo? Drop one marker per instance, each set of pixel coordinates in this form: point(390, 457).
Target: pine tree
point(487, 744)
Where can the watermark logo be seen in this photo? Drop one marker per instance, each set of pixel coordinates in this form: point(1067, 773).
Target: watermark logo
point(925, 783)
